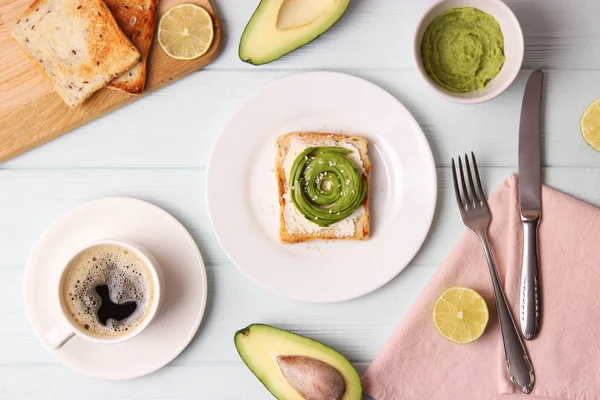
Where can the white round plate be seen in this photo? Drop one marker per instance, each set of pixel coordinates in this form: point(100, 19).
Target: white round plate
point(242, 192)
point(180, 312)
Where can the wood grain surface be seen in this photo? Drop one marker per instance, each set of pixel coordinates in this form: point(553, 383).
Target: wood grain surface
point(31, 113)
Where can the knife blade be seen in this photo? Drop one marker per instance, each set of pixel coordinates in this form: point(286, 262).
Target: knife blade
point(530, 195)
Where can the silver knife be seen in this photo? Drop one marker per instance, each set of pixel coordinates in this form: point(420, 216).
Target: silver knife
point(530, 193)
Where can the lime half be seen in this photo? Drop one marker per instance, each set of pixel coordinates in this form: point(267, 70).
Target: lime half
point(185, 32)
point(460, 315)
point(590, 125)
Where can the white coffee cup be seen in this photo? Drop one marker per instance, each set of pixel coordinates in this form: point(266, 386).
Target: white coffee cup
point(66, 328)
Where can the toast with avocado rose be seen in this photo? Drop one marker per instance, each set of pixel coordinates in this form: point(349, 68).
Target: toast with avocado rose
point(323, 182)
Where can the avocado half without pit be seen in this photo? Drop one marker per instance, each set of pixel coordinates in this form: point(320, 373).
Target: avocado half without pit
point(294, 367)
point(278, 27)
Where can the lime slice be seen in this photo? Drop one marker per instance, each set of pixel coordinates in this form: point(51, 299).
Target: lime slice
point(460, 315)
point(590, 125)
point(185, 32)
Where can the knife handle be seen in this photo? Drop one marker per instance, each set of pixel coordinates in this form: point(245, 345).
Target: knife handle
point(531, 295)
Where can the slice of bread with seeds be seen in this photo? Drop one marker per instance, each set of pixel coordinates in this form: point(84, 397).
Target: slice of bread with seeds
point(137, 19)
point(294, 227)
point(76, 44)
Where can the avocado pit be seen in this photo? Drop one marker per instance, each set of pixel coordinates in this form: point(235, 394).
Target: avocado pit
point(311, 378)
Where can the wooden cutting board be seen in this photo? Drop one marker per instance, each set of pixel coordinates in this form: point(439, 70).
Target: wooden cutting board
point(31, 113)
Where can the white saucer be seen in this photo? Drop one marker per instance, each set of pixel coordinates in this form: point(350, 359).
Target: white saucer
point(185, 277)
point(241, 187)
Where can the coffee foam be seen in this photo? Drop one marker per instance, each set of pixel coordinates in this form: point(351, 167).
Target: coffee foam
point(127, 277)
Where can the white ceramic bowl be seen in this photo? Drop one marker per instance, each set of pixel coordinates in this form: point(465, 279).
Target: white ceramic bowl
point(514, 48)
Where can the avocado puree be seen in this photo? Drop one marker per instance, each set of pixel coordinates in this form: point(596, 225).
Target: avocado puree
point(326, 187)
point(463, 49)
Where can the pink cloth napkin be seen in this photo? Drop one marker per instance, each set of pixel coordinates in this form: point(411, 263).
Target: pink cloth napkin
point(417, 363)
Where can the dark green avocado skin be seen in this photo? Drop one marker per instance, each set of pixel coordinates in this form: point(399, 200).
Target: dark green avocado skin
point(242, 57)
point(250, 61)
point(291, 46)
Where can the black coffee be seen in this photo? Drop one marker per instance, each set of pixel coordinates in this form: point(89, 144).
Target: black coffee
point(110, 310)
point(107, 290)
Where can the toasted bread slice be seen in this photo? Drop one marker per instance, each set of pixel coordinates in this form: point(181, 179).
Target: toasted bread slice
point(137, 19)
point(76, 44)
point(295, 228)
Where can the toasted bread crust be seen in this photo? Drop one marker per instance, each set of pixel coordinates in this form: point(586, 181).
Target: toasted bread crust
point(76, 45)
point(362, 224)
point(143, 15)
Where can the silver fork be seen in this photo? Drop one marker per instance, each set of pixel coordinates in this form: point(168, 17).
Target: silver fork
point(476, 216)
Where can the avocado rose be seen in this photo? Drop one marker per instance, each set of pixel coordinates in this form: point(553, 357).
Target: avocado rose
point(325, 186)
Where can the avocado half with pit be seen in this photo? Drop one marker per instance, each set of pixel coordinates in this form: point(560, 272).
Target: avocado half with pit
point(294, 367)
point(278, 27)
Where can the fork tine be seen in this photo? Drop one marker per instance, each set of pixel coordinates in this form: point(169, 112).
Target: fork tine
point(471, 186)
point(456, 190)
point(462, 182)
point(479, 185)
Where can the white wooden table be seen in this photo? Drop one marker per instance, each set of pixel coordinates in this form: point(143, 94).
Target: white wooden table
point(157, 149)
